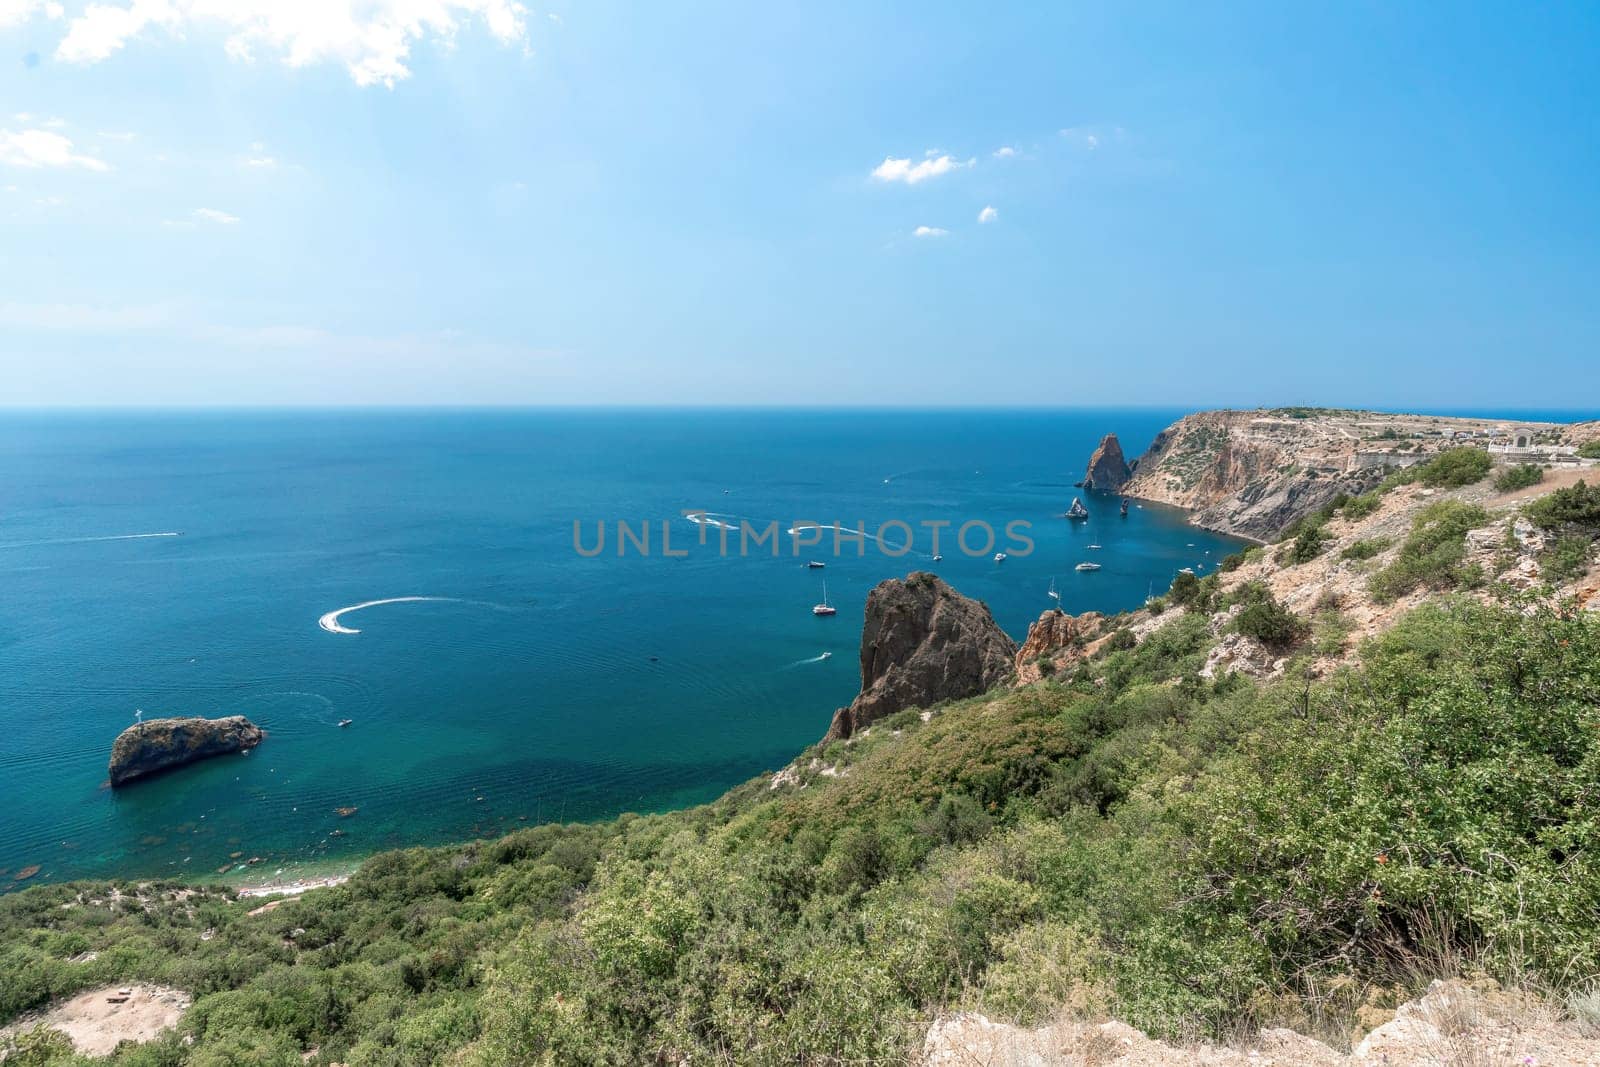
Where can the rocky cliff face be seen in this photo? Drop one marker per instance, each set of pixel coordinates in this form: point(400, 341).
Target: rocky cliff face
point(1108, 470)
point(1056, 638)
point(162, 744)
point(922, 643)
point(1252, 473)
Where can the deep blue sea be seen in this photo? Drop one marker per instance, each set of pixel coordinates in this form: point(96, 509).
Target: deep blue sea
point(543, 684)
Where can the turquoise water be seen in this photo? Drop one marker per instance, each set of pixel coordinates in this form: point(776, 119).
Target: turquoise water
point(547, 685)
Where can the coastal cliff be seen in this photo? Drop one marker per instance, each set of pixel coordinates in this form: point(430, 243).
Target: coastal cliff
point(922, 643)
point(1252, 473)
point(163, 744)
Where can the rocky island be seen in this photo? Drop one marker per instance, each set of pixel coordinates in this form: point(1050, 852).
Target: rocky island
point(162, 744)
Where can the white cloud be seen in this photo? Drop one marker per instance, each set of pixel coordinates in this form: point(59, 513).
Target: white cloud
point(372, 39)
point(1005, 151)
point(904, 170)
point(1092, 138)
point(261, 161)
point(929, 231)
point(16, 12)
point(988, 214)
point(211, 214)
point(42, 148)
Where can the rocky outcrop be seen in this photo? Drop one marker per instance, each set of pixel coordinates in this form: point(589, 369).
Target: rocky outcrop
point(1055, 637)
point(1108, 470)
point(1453, 1022)
point(923, 643)
point(162, 744)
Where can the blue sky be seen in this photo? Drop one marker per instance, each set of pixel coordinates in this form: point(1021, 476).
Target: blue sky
point(476, 201)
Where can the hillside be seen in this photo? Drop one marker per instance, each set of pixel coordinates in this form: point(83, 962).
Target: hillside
point(1251, 473)
point(1284, 797)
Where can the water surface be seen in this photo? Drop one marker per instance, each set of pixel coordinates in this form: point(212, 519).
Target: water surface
point(542, 685)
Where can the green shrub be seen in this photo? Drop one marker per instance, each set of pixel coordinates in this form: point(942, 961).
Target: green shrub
point(1184, 589)
point(1432, 555)
point(1231, 562)
point(1590, 449)
point(1566, 558)
point(1365, 548)
point(1575, 505)
point(1269, 622)
point(1307, 545)
point(1121, 640)
point(1519, 477)
point(1361, 506)
point(1455, 467)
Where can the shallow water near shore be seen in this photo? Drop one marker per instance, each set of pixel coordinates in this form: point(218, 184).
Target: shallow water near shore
point(532, 683)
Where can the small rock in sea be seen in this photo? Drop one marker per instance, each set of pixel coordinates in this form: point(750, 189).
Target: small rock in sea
point(235, 855)
point(27, 872)
point(225, 868)
point(345, 813)
point(252, 861)
point(336, 833)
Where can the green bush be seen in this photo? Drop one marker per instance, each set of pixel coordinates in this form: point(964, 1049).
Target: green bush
point(1590, 449)
point(1577, 505)
point(1361, 506)
point(1455, 467)
point(1365, 548)
point(1566, 558)
point(1518, 477)
point(1269, 622)
point(1432, 555)
point(1307, 545)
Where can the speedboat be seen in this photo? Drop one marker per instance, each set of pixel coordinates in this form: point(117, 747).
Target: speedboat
point(827, 655)
point(1087, 567)
point(345, 722)
point(814, 565)
point(1095, 548)
point(937, 558)
point(1185, 570)
point(999, 557)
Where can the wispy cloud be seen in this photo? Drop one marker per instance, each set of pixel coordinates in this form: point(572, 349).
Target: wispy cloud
point(1093, 138)
point(909, 172)
point(44, 148)
point(988, 214)
point(929, 231)
point(16, 12)
point(372, 39)
point(211, 214)
point(1005, 151)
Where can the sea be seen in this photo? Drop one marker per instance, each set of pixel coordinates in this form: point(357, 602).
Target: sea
point(511, 671)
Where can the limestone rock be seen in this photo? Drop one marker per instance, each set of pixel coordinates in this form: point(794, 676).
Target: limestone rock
point(922, 643)
point(162, 744)
point(1108, 470)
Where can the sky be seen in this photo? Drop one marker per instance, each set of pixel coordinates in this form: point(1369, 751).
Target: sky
point(489, 202)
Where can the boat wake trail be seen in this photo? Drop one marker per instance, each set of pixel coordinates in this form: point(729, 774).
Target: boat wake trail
point(330, 621)
point(803, 662)
point(89, 540)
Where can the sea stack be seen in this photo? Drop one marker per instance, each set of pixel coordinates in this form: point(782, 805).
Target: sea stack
point(1108, 470)
point(162, 744)
point(923, 642)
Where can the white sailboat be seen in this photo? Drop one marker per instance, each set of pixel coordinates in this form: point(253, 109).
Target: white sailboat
point(1052, 594)
point(824, 608)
